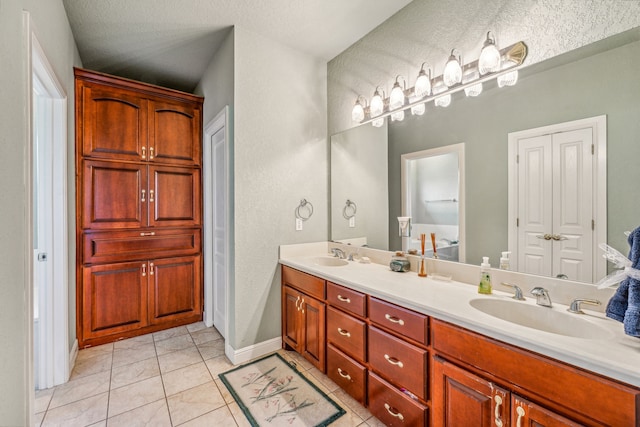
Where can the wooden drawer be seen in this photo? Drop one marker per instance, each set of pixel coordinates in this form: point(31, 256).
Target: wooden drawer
point(347, 373)
point(347, 333)
point(310, 285)
point(392, 407)
point(347, 299)
point(114, 246)
point(400, 320)
point(399, 362)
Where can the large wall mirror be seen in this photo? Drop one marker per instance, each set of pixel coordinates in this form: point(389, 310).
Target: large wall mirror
point(596, 80)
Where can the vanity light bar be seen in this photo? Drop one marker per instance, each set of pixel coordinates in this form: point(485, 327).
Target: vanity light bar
point(514, 54)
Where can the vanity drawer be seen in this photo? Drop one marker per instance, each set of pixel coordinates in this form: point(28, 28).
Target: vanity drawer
point(347, 333)
point(400, 320)
point(401, 363)
point(347, 299)
point(392, 407)
point(347, 373)
point(310, 285)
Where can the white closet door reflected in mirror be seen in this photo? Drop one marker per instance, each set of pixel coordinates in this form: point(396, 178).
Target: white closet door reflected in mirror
point(433, 196)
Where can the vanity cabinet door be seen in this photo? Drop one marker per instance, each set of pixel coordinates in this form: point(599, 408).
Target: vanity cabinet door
point(174, 132)
point(313, 342)
point(460, 398)
point(528, 414)
point(291, 317)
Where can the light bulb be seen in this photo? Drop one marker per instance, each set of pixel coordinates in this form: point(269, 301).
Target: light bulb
point(396, 99)
point(469, 76)
point(378, 122)
point(489, 61)
point(376, 106)
point(418, 110)
point(444, 100)
point(422, 87)
point(508, 79)
point(452, 74)
point(357, 114)
point(398, 116)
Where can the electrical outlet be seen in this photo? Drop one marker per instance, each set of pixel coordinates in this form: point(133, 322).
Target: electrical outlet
point(352, 222)
point(298, 224)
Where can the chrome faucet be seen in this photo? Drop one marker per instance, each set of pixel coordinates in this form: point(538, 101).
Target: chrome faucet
point(518, 292)
point(338, 253)
point(542, 296)
point(575, 304)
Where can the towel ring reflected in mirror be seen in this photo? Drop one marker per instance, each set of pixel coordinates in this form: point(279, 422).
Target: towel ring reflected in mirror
point(303, 208)
point(349, 210)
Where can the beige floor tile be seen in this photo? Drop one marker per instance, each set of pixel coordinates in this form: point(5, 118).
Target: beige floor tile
point(179, 359)
point(239, 416)
point(169, 345)
point(99, 424)
point(37, 419)
point(374, 422)
point(126, 356)
point(316, 382)
point(154, 414)
point(134, 395)
point(224, 391)
point(205, 335)
point(91, 365)
point(353, 404)
point(81, 413)
point(186, 378)
point(211, 349)
point(89, 352)
point(301, 363)
point(220, 417)
point(194, 327)
point(194, 402)
point(218, 365)
point(43, 398)
point(133, 342)
point(323, 379)
point(134, 372)
point(350, 419)
point(80, 388)
point(170, 333)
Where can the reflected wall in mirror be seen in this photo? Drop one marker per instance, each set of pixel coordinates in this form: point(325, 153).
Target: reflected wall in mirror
point(600, 79)
point(433, 196)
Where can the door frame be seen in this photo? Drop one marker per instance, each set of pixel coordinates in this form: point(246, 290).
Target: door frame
point(219, 122)
point(598, 124)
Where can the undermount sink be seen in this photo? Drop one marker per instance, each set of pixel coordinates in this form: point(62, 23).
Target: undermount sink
point(541, 318)
point(327, 261)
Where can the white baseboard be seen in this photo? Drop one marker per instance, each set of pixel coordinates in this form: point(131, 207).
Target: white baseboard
point(251, 352)
point(73, 355)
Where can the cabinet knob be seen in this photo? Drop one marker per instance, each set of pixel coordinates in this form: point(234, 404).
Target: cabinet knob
point(393, 412)
point(393, 361)
point(394, 319)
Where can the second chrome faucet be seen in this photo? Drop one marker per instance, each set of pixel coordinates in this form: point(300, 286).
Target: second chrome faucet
point(542, 296)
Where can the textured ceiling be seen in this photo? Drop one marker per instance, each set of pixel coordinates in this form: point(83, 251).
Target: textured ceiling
point(170, 42)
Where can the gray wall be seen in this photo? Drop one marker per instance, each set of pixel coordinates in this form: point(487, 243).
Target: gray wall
point(53, 31)
point(586, 88)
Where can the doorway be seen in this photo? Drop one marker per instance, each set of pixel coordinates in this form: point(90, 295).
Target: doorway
point(49, 208)
point(216, 224)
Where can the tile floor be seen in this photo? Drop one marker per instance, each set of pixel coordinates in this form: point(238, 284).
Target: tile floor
point(169, 378)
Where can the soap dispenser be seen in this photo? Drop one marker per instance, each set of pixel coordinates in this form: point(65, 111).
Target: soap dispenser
point(504, 261)
point(485, 276)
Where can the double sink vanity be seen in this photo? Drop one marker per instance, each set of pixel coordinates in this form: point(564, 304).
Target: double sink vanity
point(426, 351)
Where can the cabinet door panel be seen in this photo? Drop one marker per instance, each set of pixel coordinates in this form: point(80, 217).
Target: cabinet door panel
point(174, 288)
point(174, 196)
point(113, 195)
point(114, 123)
point(174, 133)
point(313, 331)
point(114, 298)
point(528, 414)
point(291, 317)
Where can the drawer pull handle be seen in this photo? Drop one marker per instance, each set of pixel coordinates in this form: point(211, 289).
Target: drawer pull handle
point(393, 412)
point(393, 361)
point(150, 269)
point(302, 306)
point(343, 374)
point(496, 413)
point(297, 300)
point(344, 299)
point(144, 270)
point(151, 233)
point(144, 194)
point(151, 195)
point(150, 153)
point(394, 319)
point(521, 413)
point(344, 333)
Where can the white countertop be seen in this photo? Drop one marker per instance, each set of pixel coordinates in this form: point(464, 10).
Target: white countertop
point(617, 357)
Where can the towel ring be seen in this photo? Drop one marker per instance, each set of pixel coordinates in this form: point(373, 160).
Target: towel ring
point(304, 205)
point(349, 206)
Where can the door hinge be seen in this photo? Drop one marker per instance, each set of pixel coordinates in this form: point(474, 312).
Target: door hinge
point(593, 224)
point(593, 149)
point(517, 158)
point(517, 222)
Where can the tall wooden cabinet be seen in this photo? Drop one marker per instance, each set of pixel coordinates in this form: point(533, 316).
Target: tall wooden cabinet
point(138, 207)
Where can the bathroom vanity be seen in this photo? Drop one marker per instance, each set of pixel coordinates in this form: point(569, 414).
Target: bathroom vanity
point(418, 351)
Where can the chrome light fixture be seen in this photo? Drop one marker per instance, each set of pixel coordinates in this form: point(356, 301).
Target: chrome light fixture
point(357, 114)
point(444, 100)
point(510, 78)
point(396, 98)
point(376, 106)
point(417, 109)
point(489, 61)
point(397, 116)
point(423, 83)
point(377, 123)
point(469, 76)
point(452, 74)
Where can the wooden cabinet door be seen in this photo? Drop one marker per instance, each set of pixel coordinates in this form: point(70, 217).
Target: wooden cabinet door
point(291, 317)
point(174, 133)
point(313, 331)
point(528, 414)
point(175, 290)
point(174, 196)
point(112, 123)
point(114, 195)
point(114, 299)
point(460, 398)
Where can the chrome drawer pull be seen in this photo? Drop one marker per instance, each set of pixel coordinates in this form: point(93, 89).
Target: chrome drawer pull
point(520, 411)
point(152, 233)
point(344, 333)
point(344, 299)
point(496, 413)
point(344, 374)
point(394, 319)
point(393, 412)
point(393, 361)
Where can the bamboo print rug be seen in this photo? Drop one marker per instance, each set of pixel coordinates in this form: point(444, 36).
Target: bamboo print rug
point(272, 393)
